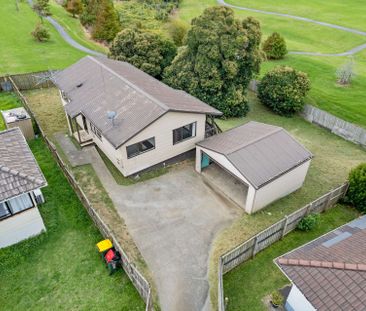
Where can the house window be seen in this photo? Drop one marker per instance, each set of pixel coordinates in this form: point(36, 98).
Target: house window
point(95, 131)
point(184, 132)
point(141, 147)
point(15, 205)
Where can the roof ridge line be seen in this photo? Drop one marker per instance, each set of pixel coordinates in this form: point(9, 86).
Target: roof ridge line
point(162, 105)
point(277, 129)
point(322, 264)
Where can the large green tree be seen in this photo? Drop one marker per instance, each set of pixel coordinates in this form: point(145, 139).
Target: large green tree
point(145, 50)
point(106, 22)
point(222, 55)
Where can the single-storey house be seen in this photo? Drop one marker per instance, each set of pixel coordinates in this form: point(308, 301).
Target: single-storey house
point(20, 182)
point(136, 120)
point(328, 273)
point(253, 164)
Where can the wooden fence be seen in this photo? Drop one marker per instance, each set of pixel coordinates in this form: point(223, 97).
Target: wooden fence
point(137, 279)
point(336, 125)
point(28, 81)
point(272, 234)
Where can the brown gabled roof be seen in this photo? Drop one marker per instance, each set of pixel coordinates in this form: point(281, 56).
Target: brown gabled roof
point(331, 270)
point(96, 85)
point(260, 152)
point(19, 171)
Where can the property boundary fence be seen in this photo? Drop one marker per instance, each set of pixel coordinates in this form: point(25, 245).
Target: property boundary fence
point(272, 234)
point(337, 126)
point(138, 280)
point(28, 81)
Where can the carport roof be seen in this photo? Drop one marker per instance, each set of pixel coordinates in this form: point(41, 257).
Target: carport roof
point(260, 152)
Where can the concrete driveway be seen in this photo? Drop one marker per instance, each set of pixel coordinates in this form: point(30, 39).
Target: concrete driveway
point(173, 220)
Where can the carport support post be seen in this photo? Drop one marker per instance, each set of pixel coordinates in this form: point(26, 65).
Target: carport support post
point(198, 160)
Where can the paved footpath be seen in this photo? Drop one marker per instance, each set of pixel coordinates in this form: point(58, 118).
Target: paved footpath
point(308, 20)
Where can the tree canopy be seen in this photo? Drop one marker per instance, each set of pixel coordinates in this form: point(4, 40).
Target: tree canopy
point(222, 55)
point(145, 50)
point(75, 7)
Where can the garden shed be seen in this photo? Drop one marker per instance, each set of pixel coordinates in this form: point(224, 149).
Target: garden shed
point(253, 164)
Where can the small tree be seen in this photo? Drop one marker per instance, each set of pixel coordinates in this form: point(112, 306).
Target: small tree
point(283, 89)
point(75, 7)
point(42, 7)
point(106, 22)
point(356, 194)
point(40, 33)
point(275, 46)
point(178, 31)
point(345, 73)
point(145, 50)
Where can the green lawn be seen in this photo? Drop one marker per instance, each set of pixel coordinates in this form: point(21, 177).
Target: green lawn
point(333, 159)
point(20, 53)
point(345, 102)
point(74, 28)
point(61, 268)
point(340, 12)
point(249, 283)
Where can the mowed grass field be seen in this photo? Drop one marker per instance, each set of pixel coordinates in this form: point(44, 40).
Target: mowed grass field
point(345, 102)
point(19, 52)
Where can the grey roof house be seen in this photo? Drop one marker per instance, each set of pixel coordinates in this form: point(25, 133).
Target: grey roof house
point(20, 182)
point(263, 162)
point(328, 273)
point(136, 120)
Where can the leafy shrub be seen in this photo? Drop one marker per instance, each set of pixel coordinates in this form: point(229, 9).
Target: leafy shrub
point(275, 46)
point(40, 33)
point(75, 7)
point(308, 223)
point(283, 89)
point(356, 194)
point(145, 50)
point(277, 298)
point(178, 31)
point(42, 7)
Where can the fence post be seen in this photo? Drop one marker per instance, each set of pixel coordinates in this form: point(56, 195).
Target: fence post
point(284, 227)
point(308, 210)
point(327, 203)
point(255, 246)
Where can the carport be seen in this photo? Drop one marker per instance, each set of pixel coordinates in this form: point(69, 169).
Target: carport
point(253, 164)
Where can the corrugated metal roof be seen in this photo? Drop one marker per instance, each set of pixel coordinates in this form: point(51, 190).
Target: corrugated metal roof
point(98, 85)
point(259, 151)
point(19, 171)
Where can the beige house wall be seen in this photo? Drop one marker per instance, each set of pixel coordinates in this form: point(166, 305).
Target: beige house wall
point(280, 187)
point(20, 227)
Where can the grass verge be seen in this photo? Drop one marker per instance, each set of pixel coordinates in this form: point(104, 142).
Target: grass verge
point(249, 283)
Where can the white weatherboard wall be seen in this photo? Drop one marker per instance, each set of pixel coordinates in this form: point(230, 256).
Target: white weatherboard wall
point(162, 130)
point(296, 301)
point(20, 227)
point(280, 187)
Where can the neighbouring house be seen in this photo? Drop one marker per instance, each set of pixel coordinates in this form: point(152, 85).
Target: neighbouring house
point(253, 164)
point(20, 182)
point(136, 120)
point(328, 273)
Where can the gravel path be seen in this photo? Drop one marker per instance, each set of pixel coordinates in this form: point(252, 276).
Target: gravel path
point(67, 37)
point(308, 20)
